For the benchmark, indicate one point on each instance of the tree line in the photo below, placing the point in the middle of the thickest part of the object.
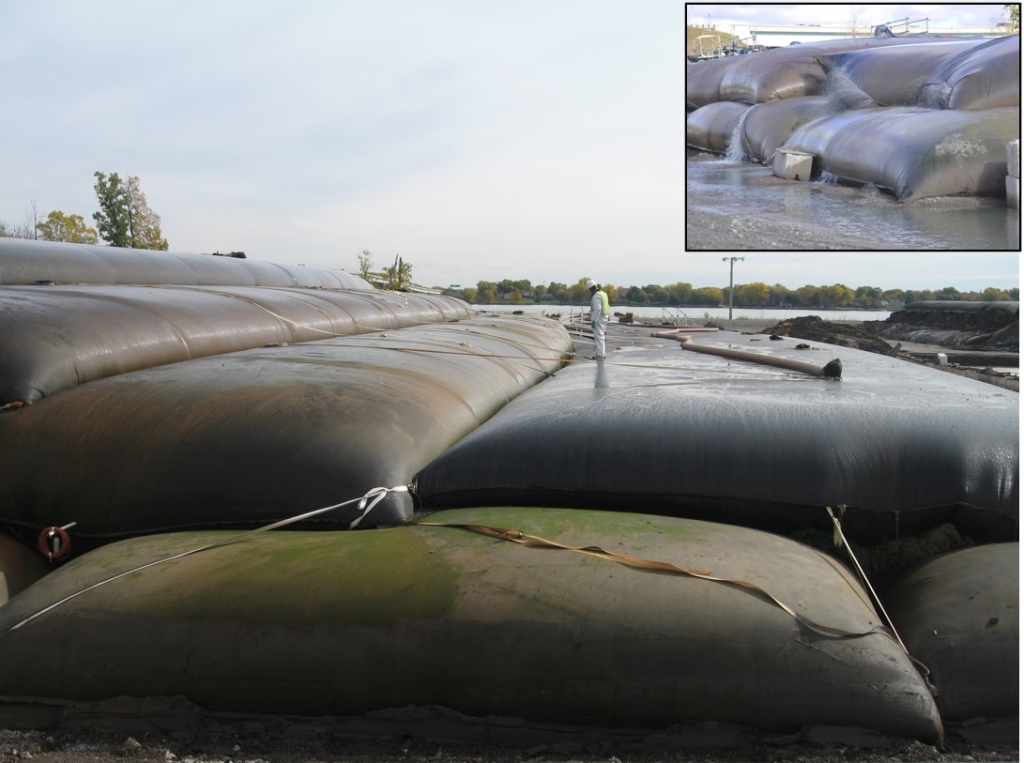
(751, 295)
(124, 219)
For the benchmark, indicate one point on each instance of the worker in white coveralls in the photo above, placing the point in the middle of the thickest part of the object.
(599, 313)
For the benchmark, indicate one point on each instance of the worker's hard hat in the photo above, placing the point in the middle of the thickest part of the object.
(591, 284)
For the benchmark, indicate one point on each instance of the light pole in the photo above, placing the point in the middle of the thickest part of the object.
(732, 262)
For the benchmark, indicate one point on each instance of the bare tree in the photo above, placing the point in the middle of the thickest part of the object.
(366, 264)
(32, 221)
(854, 15)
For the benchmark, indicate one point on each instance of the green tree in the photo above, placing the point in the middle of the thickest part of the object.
(112, 219)
(399, 275)
(1013, 17)
(836, 295)
(808, 296)
(868, 296)
(524, 286)
(636, 296)
(579, 293)
(486, 292)
(656, 294)
(752, 294)
(469, 295)
(67, 228)
(708, 296)
(894, 296)
(124, 218)
(680, 293)
(558, 291)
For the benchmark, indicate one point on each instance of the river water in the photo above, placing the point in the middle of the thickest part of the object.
(661, 314)
(744, 190)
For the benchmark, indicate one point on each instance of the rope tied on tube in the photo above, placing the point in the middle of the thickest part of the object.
(518, 536)
(840, 541)
(366, 504)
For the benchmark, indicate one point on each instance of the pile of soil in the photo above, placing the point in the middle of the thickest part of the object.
(990, 326)
(843, 333)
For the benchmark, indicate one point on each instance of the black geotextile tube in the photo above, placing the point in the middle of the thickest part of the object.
(345, 624)
(914, 152)
(983, 77)
(792, 71)
(895, 75)
(711, 127)
(957, 315)
(959, 615)
(55, 337)
(902, 446)
(30, 262)
(262, 435)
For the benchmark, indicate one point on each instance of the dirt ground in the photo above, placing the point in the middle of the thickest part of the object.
(279, 740)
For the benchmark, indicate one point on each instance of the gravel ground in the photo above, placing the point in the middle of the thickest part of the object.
(715, 231)
(710, 230)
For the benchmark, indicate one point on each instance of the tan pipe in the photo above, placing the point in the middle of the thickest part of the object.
(674, 333)
(831, 370)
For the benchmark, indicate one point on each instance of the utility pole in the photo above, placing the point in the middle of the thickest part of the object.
(732, 262)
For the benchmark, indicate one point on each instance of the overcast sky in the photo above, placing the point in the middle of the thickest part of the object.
(478, 139)
(939, 14)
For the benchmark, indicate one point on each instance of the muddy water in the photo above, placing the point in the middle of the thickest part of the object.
(745, 190)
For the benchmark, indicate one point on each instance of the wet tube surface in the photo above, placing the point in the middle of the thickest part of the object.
(896, 75)
(56, 337)
(31, 262)
(263, 435)
(673, 432)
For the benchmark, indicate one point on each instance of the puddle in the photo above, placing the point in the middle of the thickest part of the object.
(953, 223)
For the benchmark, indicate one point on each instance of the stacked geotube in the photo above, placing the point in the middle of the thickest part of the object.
(918, 116)
(448, 514)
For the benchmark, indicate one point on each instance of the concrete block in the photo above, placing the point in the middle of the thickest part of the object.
(1013, 159)
(1013, 192)
(792, 165)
